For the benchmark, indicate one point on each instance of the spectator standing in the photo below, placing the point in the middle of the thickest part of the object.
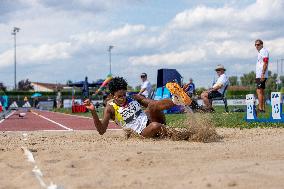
(261, 73)
(146, 87)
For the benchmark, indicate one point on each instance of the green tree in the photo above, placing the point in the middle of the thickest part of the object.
(271, 83)
(2, 87)
(233, 80)
(25, 85)
(248, 79)
(138, 88)
(129, 88)
(68, 82)
(282, 81)
(198, 91)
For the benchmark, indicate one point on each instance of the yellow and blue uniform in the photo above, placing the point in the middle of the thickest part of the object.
(130, 116)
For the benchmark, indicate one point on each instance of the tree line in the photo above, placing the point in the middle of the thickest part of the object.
(23, 85)
(272, 83)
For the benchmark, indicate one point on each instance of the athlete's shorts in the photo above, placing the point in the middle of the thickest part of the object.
(214, 94)
(260, 84)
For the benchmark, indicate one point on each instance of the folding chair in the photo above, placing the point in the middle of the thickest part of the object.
(223, 97)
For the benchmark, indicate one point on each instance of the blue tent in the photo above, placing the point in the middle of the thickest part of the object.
(164, 76)
(168, 75)
(85, 86)
(86, 83)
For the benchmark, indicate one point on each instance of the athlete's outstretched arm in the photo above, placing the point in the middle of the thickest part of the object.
(142, 100)
(100, 125)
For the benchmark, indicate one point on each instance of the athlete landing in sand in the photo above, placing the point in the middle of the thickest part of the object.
(126, 111)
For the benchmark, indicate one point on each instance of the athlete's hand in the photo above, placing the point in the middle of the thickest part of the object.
(89, 105)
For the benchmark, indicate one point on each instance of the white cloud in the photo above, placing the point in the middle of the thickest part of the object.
(172, 58)
(119, 34)
(233, 49)
(94, 6)
(6, 58)
(86, 5)
(217, 35)
(276, 47)
(227, 16)
(37, 55)
(201, 15)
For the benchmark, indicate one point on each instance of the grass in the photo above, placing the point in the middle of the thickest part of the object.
(219, 118)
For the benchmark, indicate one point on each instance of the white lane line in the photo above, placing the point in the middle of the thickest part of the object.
(59, 130)
(6, 117)
(28, 154)
(71, 115)
(59, 124)
(85, 117)
(54, 130)
(114, 129)
(36, 171)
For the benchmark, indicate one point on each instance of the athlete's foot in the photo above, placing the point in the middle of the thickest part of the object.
(179, 96)
(177, 100)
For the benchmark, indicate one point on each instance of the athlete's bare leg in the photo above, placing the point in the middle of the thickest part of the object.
(155, 108)
(154, 129)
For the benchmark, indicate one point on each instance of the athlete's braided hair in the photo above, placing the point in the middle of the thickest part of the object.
(116, 84)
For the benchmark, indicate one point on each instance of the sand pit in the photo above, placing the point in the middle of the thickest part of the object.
(245, 158)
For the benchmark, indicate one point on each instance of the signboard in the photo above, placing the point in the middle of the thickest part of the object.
(250, 102)
(276, 105)
(230, 102)
(79, 109)
(67, 103)
(276, 109)
(45, 105)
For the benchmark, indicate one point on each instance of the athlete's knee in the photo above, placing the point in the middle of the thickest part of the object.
(155, 126)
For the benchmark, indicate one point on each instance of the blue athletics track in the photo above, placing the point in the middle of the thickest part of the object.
(36, 120)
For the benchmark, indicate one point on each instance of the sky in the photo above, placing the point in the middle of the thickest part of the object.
(62, 40)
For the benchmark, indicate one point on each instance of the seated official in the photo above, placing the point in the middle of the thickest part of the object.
(217, 90)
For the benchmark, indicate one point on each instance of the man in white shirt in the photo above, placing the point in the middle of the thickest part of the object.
(261, 73)
(146, 87)
(217, 90)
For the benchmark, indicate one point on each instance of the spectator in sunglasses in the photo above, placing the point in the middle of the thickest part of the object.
(261, 73)
(146, 87)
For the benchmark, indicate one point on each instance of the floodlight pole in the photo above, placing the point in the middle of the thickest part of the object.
(109, 50)
(14, 32)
